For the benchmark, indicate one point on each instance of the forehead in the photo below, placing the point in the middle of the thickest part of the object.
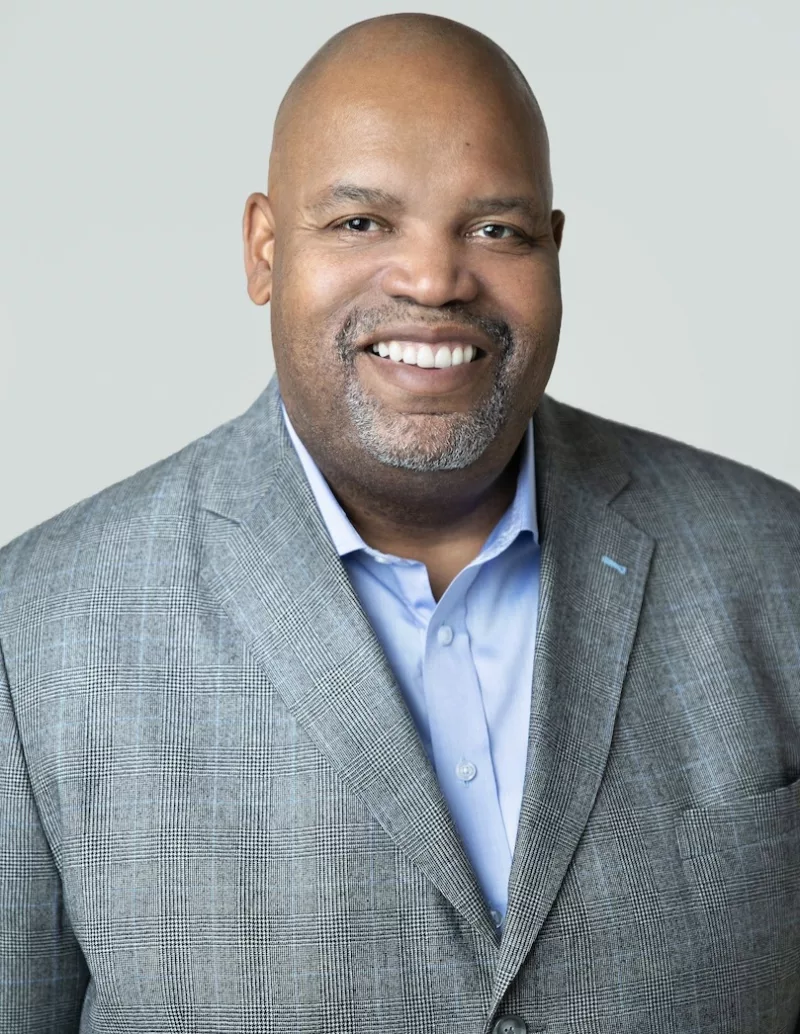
(416, 132)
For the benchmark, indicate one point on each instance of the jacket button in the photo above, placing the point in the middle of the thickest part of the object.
(510, 1025)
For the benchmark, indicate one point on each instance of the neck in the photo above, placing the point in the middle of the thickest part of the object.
(436, 519)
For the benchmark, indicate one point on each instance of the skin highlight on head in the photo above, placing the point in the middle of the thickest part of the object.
(410, 198)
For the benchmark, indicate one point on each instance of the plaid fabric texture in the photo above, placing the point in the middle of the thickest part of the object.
(217, 817)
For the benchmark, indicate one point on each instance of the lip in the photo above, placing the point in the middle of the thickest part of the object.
(431, 383)
(449, 334)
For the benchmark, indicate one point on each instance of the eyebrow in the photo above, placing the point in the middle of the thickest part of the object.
(332, 196)
(527, 205)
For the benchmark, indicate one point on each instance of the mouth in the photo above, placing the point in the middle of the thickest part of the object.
(405, 370)
(419, 364)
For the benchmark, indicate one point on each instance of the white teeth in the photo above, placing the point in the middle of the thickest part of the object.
(418, 354)
(424, 356)
(443, 358)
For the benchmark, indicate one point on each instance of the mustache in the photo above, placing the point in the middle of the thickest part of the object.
(360, 322)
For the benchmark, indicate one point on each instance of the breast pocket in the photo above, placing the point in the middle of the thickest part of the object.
(741, 865)
(736, 825)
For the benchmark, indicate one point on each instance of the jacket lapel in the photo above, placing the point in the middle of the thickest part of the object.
(594, 565)
(270, 563)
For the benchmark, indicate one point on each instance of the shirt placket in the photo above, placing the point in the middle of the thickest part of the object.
(460, 742)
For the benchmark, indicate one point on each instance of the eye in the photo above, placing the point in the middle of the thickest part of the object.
(496, 231)
(357, 224)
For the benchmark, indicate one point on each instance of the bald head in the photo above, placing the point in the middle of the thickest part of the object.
(419, 55)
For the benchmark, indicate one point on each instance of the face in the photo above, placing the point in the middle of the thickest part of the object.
(412, 266)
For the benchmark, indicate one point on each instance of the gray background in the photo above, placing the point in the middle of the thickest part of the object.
(131, 134)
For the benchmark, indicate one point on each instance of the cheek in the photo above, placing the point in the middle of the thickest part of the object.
(312, 295)
(530, 297)
(316, 285)
(531, 302)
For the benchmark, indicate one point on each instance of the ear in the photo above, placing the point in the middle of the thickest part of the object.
(557, 222)
(258, 232)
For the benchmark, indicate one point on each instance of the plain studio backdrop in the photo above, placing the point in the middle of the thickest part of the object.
(131, 134)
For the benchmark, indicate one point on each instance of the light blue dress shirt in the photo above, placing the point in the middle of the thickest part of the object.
(464, 664)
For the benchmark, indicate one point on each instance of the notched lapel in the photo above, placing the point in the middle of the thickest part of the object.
(594, 566)
(271, 565)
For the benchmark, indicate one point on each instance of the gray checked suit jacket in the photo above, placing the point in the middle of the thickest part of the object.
(217, 816)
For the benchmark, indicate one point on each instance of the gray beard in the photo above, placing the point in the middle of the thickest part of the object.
(457, 442)
(454, 440)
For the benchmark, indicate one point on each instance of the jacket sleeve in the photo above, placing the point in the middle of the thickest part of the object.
(43, 975)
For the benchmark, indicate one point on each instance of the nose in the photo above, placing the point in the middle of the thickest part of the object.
(431, 270)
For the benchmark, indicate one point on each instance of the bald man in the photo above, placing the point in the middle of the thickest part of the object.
(411, 699)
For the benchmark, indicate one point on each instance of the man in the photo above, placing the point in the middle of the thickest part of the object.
(411, 699)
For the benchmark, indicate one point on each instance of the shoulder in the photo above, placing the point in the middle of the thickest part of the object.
(679, 492)
(688, 475)
(144, 526)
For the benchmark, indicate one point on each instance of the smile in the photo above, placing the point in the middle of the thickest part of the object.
(414, 353)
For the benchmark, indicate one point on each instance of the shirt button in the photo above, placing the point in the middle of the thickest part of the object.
(466, 771)
(510, 1025)
(445, 635)
(496, 917)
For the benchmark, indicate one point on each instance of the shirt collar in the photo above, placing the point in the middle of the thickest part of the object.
(520, 516)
